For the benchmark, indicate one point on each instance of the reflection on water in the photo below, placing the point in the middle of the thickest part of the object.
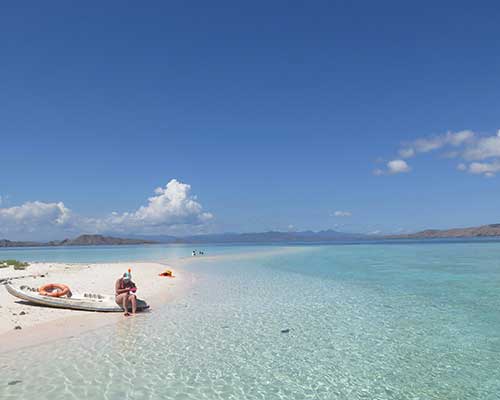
(365, 322)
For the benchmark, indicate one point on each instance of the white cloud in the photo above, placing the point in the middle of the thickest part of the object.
(488, 169)
(342, 214)
(480, 154)
(393, 167)
(172, 207)
(425, 145)
(483, 148)
(35, 216)
(36, 213)
(459, 138)
(473, 147)
(397, 167)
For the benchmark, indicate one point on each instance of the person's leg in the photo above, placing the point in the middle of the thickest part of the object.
(133, 301)
(121, 300)
(125, 301)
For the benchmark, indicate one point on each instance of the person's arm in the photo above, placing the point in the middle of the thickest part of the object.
(118, 290)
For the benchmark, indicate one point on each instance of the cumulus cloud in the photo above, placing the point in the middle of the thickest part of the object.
(171, 207)
(36, 216)
(36, 213)
(342, 213)
(397, 167)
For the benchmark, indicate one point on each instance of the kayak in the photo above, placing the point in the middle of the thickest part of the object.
(78, 301)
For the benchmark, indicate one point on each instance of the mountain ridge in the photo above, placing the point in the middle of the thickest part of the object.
(253, 237)
(325, 236)
(82, 240)
(491, 230)
(273, 237)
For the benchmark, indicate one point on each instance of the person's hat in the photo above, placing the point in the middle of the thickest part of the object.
(127, 276)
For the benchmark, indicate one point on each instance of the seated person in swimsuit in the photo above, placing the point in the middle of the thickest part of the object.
(125, 293)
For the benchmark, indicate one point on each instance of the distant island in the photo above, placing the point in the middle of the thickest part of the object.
(82, 240)
(491, 230)
(263, 237)
(272, 237)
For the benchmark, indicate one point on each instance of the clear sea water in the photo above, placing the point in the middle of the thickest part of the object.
(90, 254)
(416, 321)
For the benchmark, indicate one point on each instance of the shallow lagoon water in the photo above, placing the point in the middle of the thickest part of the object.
(365, 322)
(101, 254)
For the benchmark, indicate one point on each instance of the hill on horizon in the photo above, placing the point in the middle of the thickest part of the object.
(255, 237)
(82, 240)
(491, 230)
(259, 237)
(325, 236)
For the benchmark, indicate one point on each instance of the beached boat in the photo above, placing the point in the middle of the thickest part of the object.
(78, 301)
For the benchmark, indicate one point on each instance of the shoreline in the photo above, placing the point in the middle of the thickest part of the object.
(44, 324)
(74, 325)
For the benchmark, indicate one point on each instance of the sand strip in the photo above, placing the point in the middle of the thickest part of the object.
(43, 324)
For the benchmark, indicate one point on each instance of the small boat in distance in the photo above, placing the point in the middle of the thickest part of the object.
(78, 301)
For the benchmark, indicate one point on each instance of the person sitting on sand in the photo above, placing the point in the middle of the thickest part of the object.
(125, 293)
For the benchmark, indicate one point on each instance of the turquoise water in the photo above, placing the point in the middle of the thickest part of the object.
(366, 322)
(89, 254)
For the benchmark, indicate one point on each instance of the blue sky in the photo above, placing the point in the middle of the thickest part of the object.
(276, 114)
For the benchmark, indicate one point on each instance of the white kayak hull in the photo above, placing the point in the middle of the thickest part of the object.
(78, 301)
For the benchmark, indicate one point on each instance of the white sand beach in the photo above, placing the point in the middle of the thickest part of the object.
(38, 324)
(43, 324)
